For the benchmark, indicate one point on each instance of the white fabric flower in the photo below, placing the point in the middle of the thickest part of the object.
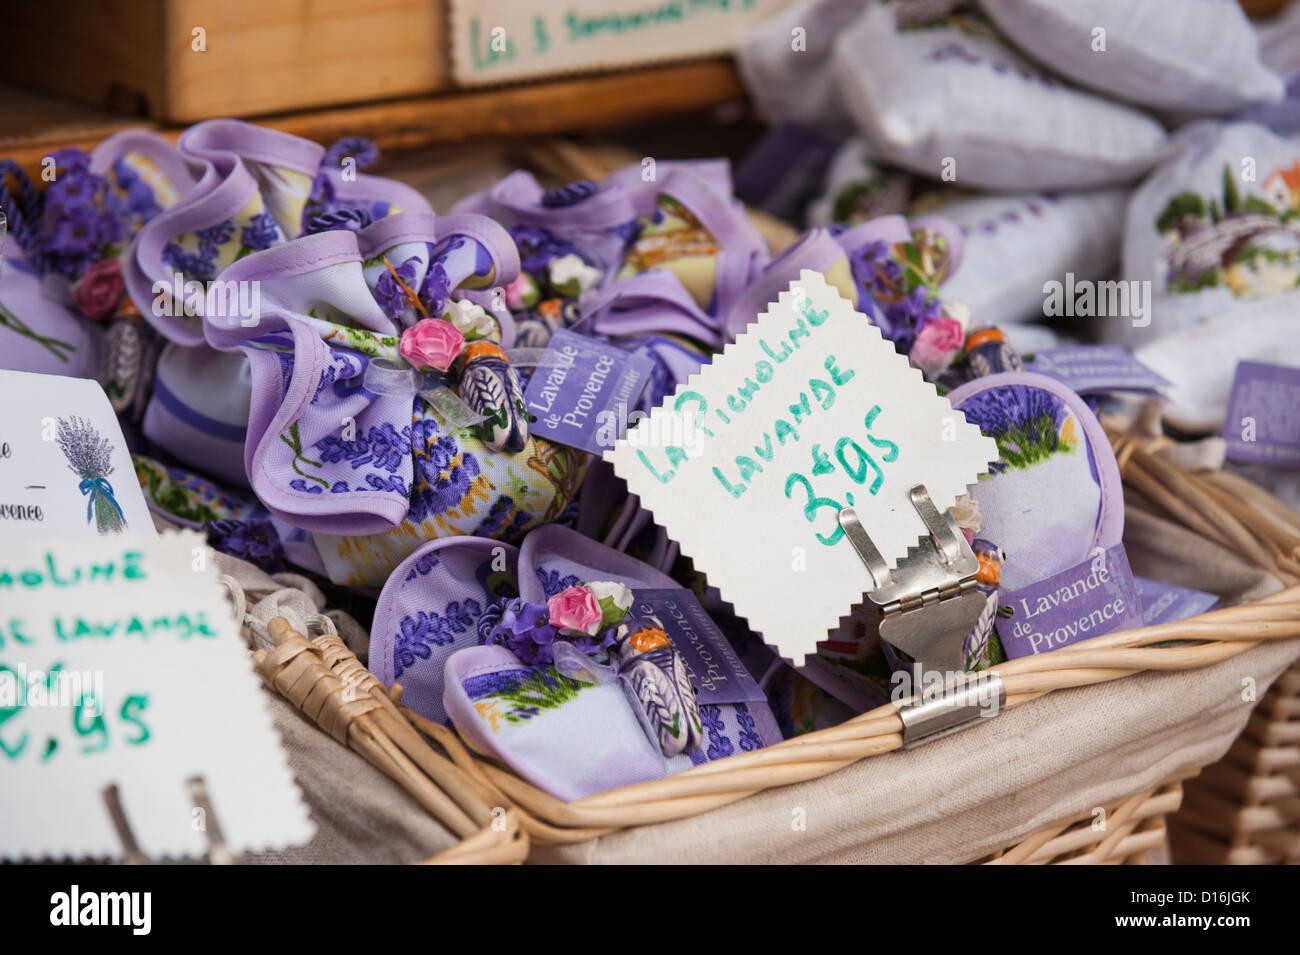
(614, 599)
(470, 320)
(958, 311)
(965, 512)
(571, 268)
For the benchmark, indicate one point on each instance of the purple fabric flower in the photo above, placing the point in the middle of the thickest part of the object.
(524, 628)
(140, 203)
(570, 194)
(70, 159)
(389, 294)
(537, 247)
(348, 220)
(322, 199)
(910, 315)
(362, 150)
(879, 272)
(77, 238)
(260, 233)
(80, 218)
(255, 541)
(597, 647)
(74, 232)
(435, 289)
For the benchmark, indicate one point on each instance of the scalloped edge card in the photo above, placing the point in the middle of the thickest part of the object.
(748, 464)
(121, 662)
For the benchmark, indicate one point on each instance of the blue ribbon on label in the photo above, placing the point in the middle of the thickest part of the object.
(99, 486)
(1095, 597)
(715, 670)
(583, 394)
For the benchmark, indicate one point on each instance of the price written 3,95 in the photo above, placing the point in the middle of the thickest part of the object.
(857, 463)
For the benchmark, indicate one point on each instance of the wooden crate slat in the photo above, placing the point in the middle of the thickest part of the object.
(539, 109)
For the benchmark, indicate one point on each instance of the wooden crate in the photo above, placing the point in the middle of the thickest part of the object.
(1245, 809)
(262, 56)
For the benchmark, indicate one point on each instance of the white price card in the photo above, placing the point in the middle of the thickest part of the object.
(121, 662)
(749, 463)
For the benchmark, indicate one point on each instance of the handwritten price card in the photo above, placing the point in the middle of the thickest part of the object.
(120, 663)
(750, 462)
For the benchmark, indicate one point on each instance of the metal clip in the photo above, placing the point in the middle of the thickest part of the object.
(962, 702)
(929, 600)
(218, 852)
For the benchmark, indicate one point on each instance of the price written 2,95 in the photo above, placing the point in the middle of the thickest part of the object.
(856, 462)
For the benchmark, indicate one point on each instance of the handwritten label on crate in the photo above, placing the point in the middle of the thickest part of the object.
(497, 40)
(749, 463)
(120, 662)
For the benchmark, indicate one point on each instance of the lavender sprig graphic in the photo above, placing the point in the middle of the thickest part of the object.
(89, 456)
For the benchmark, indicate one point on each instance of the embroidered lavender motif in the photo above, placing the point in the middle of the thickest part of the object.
(524, 693)
(89, 457)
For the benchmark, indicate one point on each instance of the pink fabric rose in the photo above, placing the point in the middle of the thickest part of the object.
(100, 290)
(432, 343)
(936, 344)
(518, 291)
(575, 608)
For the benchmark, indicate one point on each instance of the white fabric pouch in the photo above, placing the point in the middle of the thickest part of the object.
(1017, 244)
(1198, 57)
(785, 64)
(950, 100)
(1212, 230)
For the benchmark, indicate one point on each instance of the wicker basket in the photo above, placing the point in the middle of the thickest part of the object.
(499, 815)
(1134, 834)
(1245, 809)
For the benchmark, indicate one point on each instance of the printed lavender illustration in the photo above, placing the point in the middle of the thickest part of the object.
(1249, 245)
(1042, 496)
(1028, 425)
(89, 457)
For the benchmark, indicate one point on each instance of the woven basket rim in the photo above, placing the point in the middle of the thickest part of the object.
(511, 814)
